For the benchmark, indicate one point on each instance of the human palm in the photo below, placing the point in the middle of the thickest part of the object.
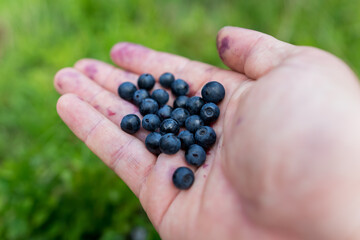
(277, 159)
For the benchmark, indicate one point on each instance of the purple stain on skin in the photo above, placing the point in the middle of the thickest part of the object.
(204, 175)
(110, 113)
(90, 71)
(223, 46)
(239, 121)
(59, 84)
(97, 107)
(205, 165)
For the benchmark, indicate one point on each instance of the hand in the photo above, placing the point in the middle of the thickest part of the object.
(286, 164)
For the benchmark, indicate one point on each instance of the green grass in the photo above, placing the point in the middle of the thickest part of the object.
(51, 185)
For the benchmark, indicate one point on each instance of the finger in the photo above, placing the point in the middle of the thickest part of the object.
(251, 52)
(123, 153)
(69, 80)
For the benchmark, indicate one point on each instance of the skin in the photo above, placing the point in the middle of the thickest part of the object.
(286, 162)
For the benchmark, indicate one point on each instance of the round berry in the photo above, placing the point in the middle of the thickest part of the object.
(193, 123)
(180, 115)
(180, 102)
(161, 96)
(152, 143)
(205, 136)
(148, 106)
(183, 178)
(146, 81)
(130, 123)
(140, 95)
(169, 126)
(151, 122)
(169, 144)
(126, 90)
(209, 112)
(195, 155)
(164, 112)
(213, 92)
(186, 138)
(166, 80)
(179, 87)
(194, 104)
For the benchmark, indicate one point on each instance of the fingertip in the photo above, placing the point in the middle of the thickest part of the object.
(64, 101)
(125, 51)
(62, 75)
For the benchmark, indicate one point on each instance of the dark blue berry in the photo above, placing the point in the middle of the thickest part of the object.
(186, 138)
(179, 87)
(205, 137)
(194, 104)
(180, 102)
(180, 115)
(130, 123)
(126, 90)
(140, 95)
(169, 126)
(152, 143)
(148, 106)
(164, 112)
(195, 155)
(146, 81)
(169, 144)
(209, 112)
(183, 178)
(161, 96)
(151, 122)
(213, 92)
(166, 80)
(193, 123)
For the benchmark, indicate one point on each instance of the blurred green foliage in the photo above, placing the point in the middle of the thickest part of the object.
(51, 185)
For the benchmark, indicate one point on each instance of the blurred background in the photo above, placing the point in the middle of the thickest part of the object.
(51, 185)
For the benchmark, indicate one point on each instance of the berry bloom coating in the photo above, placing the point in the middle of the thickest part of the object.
(148, 106)
(151, 122)
(169, 144)
(164, 112)
(183, 178)
(209, 112)
(213, 92)
(194, 104)
(180, 115)
(130, 123)
(152, 143)
(180, 102)
(146, 81)
(187, 139)
(140, 95)
(205, 137)
(193, 123)
(169, 126)
(126, 90)
(195, 155)
(161, 96)
(179, 87)
(166, 80)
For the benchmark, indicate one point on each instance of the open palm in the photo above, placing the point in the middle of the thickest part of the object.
(268, 175)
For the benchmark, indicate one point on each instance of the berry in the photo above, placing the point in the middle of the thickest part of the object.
(180, 102)
(180, 115)
(164, 112)
(193, 123)
(183, 178)
(186, 138)
(152, 143)
(169, 144)
(140, 95)
(126, 90)
(209, 112)
(148, 106)
(161, 96)
(205, 137)
(130, 123)
(213, 92)
(151, 122)
(146, 81)
(179, 87)
(194, 104)
(166, 80)
(169, 126)
(195, 155)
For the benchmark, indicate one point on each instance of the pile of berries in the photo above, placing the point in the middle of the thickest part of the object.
(164, 122)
